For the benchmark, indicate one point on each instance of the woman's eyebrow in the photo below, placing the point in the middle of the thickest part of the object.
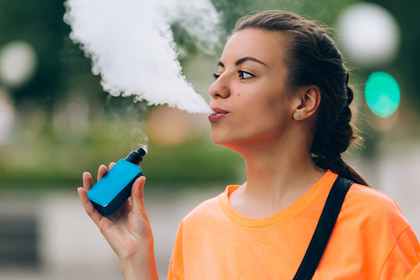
(246, 58)
(242, 60)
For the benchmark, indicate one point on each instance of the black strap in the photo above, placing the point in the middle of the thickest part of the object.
(324, 228)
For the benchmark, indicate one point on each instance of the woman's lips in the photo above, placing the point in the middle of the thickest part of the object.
(218, 115)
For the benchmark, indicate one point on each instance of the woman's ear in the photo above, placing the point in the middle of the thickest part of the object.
(306, 102)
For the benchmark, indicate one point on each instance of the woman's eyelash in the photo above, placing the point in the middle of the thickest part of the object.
(242, 74)
(245, 75)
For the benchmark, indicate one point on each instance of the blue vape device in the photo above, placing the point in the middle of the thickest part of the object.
(112, 190)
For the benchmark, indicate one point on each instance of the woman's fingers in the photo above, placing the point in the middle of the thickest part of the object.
(90, 210)
(137, 200)
(87, 181)
(102, 170)
(103, 223)
(87, 185)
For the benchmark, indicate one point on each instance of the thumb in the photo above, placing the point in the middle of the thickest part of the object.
(137, 197)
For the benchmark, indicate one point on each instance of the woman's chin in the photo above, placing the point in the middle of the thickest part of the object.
(226, 141)
(221, 140)
(217, 141)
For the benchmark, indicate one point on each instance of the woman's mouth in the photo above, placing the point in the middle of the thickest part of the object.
(218, 115)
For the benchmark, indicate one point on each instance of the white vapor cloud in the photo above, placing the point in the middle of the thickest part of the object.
(132, 48)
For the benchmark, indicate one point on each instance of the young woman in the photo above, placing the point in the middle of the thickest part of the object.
(281, 98)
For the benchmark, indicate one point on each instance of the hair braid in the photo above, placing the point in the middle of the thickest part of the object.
(342, 135)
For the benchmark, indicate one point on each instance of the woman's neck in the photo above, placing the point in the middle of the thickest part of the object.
(278, 174)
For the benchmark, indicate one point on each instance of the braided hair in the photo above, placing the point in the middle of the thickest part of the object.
(314, 59)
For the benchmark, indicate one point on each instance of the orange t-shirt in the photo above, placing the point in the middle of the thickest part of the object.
(371, 239)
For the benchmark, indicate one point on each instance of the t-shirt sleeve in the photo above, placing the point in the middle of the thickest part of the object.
(176, 264)
(403, 261)
(414, 274)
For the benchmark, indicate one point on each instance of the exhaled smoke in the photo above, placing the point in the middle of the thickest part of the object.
(132, 48)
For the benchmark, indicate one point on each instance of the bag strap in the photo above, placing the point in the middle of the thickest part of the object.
(324, 229)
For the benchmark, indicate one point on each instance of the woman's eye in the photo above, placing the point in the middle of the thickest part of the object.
(216, 76)
(245, 75)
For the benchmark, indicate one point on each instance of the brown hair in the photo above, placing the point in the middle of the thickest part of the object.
(314, 59)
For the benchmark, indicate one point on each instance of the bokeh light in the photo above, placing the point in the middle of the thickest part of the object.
(18, 62)
(382, 94)
(369, 34)
(168, 126)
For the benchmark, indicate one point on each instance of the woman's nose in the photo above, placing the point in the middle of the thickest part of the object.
(219, 88)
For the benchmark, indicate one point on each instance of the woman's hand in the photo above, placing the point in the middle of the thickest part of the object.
(128, 230)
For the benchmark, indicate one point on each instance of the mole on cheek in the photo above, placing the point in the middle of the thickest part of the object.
(239, 94)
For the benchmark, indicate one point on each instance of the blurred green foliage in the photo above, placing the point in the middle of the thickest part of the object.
(63, 75)
(46, 164)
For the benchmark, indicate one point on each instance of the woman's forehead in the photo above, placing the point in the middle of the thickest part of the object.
(266, 46)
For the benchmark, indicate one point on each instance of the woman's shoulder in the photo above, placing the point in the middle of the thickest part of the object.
(373, 207)
(207, 209)
(371, 198)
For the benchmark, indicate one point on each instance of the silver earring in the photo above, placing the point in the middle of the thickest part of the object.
(297, 116)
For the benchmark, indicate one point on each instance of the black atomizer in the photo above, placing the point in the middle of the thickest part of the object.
(112, 190)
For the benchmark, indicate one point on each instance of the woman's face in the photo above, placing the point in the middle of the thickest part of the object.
(250, 95)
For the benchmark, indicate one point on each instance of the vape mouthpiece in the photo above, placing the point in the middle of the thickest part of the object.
(136, 156)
